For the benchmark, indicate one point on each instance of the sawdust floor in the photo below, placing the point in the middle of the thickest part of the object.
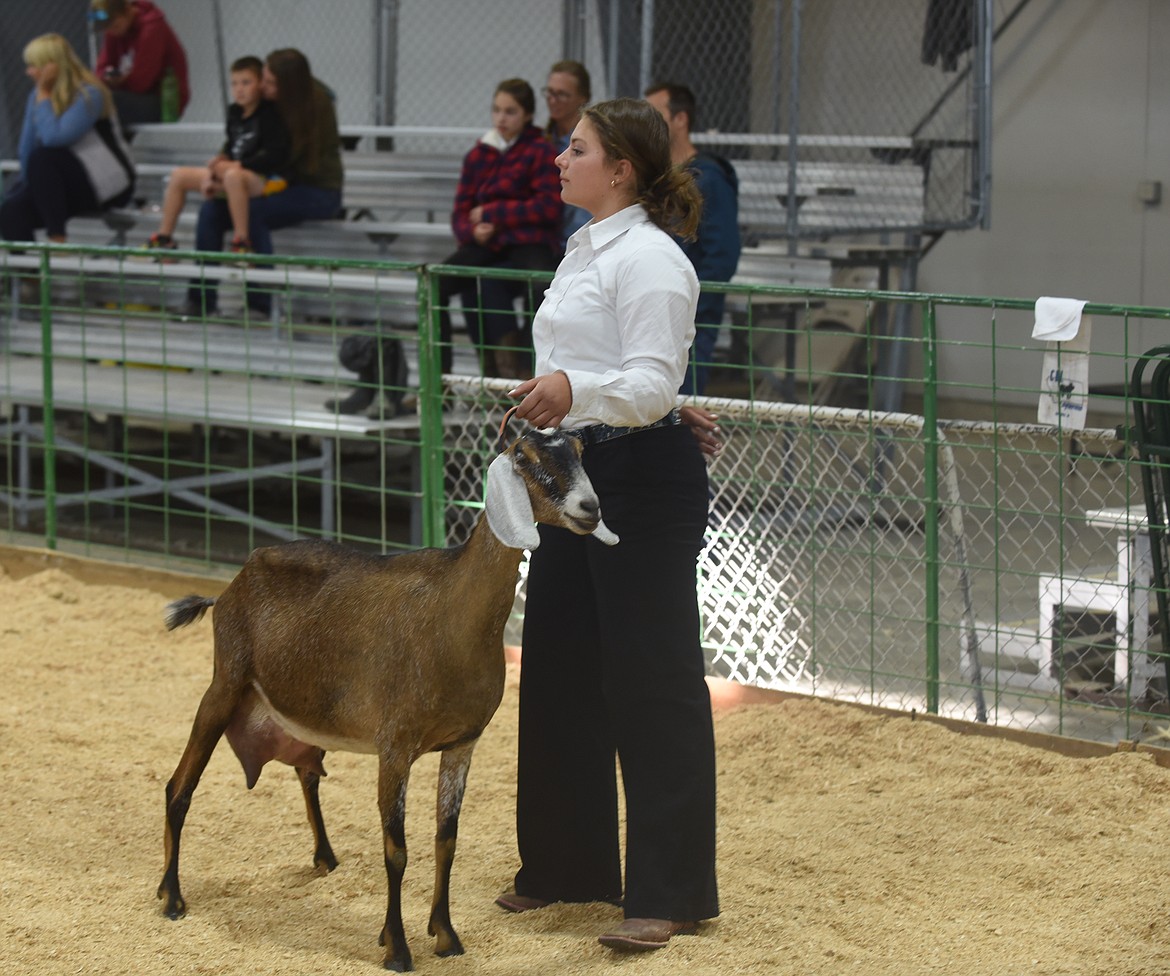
(849, 842)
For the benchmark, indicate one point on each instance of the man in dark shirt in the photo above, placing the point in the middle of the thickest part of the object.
(715, 250)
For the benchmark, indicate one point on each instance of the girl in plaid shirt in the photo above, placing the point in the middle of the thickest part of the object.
(507, 214)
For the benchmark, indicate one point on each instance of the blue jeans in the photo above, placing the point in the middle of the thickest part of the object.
(265, 214)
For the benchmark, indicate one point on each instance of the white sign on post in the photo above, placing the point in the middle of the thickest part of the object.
(1064, 382)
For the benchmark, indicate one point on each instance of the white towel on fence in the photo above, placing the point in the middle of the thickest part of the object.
(1057, 319)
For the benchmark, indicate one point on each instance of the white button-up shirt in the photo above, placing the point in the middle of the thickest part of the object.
(618, 319)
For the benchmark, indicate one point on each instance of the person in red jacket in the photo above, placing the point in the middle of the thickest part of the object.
(138, 48)
(507, 214)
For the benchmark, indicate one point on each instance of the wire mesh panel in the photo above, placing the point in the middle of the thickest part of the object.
(959, 558)
(133, 421)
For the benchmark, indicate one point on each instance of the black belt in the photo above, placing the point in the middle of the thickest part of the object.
(600, 433)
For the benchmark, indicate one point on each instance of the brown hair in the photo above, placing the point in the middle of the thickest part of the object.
(578, 71)
(679, 98)
(249, 62)
(520, 90)
(296, 100)
(633, 130)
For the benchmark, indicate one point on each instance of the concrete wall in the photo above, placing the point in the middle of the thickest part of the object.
(1081, 119)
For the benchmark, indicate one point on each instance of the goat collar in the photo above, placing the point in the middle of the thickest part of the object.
(509, 511)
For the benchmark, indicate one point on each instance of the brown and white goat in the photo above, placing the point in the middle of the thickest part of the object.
(321, 648)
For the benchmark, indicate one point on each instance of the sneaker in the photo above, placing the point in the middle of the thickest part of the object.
(162, 242)
(242, 246)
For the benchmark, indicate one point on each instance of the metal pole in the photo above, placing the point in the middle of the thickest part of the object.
(647, 51)
(611, 67)
(573, 19)
(386, 97)
(777, 63)
(930, 444)
(982, 95)
(793, 126)
(220, 55)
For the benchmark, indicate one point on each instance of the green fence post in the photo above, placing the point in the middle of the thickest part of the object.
(47, 418)
(430, 407)
(931, 500)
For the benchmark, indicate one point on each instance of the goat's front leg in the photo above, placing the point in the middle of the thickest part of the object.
(452, 779)
(392, 779)
(322, 850)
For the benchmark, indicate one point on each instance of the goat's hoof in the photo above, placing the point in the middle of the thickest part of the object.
(175, 909)
(325, 862)
(447, 942)
(399, 965)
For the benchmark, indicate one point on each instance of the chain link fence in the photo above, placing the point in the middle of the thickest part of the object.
(857, 117)
(956, 556)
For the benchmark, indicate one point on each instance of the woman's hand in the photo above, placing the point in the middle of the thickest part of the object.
(476, 215)
(546, 399)
(46, 78)
(483, 233)
(705, 428)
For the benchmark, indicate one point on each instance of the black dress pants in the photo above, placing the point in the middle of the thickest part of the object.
(612, 665)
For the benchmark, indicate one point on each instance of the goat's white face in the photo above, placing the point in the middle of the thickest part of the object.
(561, 493)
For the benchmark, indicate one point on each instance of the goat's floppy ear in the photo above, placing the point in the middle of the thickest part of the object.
(508, 508)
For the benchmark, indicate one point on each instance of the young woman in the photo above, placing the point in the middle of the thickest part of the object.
(508, 214)
(72, 155)
(313, 172)
(612, 662)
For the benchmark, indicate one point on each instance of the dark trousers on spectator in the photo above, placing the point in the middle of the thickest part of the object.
(55, 188)
(265, 214)
(136, 108)
(612, 664)
(488, 303)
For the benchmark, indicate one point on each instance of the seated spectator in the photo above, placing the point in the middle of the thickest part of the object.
(72, 155)
(566, 93)
(313, 173)
(507, 214)
(138, 49)
(249, 164)
(714, 250)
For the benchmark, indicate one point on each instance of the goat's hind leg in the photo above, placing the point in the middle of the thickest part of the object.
(452, 780)
(215, 711)
(323, 856)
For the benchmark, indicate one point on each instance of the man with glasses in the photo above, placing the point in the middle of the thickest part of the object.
(566, 93)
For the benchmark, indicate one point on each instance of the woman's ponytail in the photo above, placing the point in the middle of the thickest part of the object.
(634, 130)
(673, 202)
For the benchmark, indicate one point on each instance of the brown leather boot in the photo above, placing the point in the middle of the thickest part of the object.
(643, 934)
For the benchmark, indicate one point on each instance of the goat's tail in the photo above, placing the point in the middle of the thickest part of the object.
(187, 610)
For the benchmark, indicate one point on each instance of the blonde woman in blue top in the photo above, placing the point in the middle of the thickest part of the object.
(73, 158)
(612, 665)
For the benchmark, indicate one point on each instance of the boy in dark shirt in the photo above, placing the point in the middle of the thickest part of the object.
(256, 150)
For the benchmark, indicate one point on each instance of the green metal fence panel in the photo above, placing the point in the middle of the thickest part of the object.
(952, 555)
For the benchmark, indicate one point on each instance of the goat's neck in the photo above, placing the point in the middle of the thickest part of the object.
(498, 562)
